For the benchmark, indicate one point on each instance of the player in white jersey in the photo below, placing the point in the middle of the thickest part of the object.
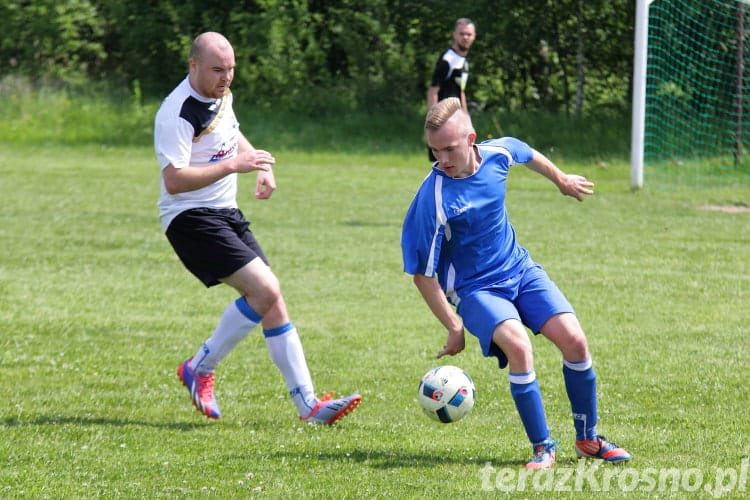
(459, 245)
(201, 150)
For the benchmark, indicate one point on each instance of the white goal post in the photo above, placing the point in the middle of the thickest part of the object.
(638, 122)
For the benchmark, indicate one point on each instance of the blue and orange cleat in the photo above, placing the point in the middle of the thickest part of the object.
(544, 457)
(201, 388)
(599, 447)
(327, 410)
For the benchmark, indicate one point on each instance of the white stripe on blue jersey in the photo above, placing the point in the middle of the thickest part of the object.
(440, 221)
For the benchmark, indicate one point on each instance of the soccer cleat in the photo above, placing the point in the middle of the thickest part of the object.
(599, 447)
(201, 389)
(544, 455)
(327, 410)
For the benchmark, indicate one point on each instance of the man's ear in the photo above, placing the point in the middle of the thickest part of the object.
(472, 137)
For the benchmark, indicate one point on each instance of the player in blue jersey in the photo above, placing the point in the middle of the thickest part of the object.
(459, 245)
(201, 151)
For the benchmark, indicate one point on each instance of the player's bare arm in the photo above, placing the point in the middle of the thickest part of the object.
(432, 96)
(464, 102)
(454, 344)
(265, 183)
(182, 180)
(569, 184)
(433, 295)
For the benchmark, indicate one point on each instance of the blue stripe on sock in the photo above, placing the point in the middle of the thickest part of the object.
(247, 311)
(275, 332)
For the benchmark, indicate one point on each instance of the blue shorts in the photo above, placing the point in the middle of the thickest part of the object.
(531, 298)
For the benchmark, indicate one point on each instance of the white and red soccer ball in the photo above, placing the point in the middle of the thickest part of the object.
(446, 394)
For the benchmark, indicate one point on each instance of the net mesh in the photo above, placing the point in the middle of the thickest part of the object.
(697, 96)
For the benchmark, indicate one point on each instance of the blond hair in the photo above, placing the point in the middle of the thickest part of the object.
(443, 111)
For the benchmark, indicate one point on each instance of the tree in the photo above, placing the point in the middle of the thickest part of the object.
(51, 39)
(318, 55)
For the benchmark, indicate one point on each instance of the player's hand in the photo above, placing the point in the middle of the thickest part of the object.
(576, 186)
(255, 159)
(265, 185)
(455, 344)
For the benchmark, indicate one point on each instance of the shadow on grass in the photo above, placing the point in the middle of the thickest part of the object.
(385, 459)
(52, 420)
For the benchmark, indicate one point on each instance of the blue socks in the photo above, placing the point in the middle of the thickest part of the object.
(528, 398)
(580, 383)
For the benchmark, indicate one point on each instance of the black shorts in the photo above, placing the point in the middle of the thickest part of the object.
(213, 243)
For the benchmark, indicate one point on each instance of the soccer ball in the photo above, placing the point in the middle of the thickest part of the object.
(446, 394)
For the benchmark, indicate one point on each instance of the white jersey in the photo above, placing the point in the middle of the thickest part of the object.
(193, 130)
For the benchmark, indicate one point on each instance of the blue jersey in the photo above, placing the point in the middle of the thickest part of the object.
(458, 229)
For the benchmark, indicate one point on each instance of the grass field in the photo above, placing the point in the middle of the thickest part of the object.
(96, 313)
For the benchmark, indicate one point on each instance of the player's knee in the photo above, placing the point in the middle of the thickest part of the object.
(580, 347)
(515, 343)
(520, 357)
(267, 296)
(575, 347)
(261, 290)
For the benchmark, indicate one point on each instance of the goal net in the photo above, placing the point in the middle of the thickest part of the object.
(695, 125)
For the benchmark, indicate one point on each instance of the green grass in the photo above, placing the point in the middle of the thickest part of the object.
(96, 312)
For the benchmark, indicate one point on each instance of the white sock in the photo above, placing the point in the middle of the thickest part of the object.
(285, 348)
(235, 324)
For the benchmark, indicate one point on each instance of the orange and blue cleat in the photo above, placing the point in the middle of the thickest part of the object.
(600, 448)
(545, 455)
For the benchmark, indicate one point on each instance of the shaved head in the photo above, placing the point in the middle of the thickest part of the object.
(211, 64)
(209, 40)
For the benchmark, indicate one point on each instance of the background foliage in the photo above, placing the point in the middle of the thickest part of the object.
(315, 55)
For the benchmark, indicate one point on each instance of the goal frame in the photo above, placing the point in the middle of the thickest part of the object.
(638, 119)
